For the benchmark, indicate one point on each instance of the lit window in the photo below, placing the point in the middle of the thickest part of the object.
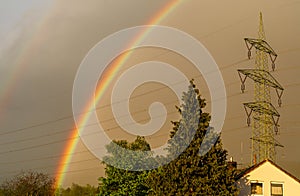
(256, 188)
(276, 189)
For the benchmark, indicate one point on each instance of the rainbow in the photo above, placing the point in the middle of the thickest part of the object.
(107, 78)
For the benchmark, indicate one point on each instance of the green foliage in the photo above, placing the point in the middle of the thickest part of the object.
(198, 165)
(190, 173)
(125, 182)
(76, 190)
(29, 184)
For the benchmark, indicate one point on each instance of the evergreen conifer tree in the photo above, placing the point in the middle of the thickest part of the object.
(194, 172)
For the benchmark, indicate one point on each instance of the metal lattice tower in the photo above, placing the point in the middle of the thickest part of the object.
(264, 115)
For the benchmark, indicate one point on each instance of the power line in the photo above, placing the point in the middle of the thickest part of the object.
(112, 128)
(71, 116)
(54, 165)
(110, 104)
(107, 130)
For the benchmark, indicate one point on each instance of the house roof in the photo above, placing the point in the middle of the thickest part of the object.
(248, 170)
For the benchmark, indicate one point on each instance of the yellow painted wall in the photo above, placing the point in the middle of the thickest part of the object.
(267, 173)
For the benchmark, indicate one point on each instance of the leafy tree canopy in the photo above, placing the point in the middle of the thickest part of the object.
(125, 182)
(29, 183)
(76, 190)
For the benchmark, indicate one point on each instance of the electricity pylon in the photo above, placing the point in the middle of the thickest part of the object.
(264, 115)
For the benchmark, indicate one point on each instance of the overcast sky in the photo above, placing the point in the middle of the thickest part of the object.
(44, 41)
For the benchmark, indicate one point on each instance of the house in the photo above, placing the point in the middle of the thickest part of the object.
(268, 179)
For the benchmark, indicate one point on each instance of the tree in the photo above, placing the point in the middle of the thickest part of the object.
(76, 190)
(193, 173)
(30, 184)
(123, 181)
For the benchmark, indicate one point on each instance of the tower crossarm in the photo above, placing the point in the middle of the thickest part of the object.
(262, 77)
(261, 45)
(262, 107)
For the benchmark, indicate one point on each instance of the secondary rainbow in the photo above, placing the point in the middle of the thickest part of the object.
(107, 78)
(27, 49)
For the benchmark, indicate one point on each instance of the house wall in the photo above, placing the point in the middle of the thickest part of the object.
(267, 173)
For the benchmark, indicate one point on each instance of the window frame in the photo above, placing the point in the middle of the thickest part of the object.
(276, 182)
(256, 182)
